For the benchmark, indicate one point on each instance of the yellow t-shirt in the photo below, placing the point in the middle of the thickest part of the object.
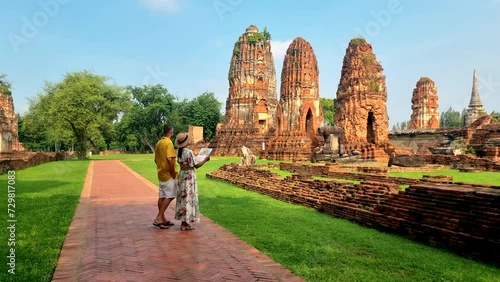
(164, 149)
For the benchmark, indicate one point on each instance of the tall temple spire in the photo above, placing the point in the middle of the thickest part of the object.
(475, 109)
(475, 100)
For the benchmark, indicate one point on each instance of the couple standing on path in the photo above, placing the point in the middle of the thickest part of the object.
(183, 186)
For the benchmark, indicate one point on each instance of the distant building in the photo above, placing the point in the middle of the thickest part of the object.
(475, 109)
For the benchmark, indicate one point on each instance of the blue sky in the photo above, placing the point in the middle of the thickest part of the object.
(186, 45)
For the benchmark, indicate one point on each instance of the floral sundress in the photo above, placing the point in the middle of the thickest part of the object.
(187, 208)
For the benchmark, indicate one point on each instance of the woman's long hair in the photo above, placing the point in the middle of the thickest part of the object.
(179, 152)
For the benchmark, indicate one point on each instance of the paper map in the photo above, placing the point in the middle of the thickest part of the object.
(204, 152)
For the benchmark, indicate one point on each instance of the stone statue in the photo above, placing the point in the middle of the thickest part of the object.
(405, 160)
(248, 157)
(334, 144)
(334, 138)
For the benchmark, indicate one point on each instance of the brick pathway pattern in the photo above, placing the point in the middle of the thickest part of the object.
(111, 238)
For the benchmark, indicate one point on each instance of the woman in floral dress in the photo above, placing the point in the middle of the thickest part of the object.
(187, 208)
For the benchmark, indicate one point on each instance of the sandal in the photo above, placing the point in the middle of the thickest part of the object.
(161, 225)
(168, 223)
(187, 227)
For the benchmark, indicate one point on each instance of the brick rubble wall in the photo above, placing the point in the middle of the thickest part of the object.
(463, 160)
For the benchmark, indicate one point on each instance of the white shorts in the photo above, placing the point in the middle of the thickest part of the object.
(167, 189)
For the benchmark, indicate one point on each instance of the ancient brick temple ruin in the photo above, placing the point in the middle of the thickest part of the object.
(299, 112)
(480, 136)
(424, 105)
(252, 101)
(360, 106)
(475, 109)
(9, 141)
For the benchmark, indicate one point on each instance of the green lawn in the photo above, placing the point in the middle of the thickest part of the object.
(280, 172)
(45, 201)
(319, 247)
(489, 178)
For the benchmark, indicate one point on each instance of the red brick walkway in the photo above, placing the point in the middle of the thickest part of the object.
(111, 238)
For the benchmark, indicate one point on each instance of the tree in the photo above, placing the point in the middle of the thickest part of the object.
(266, 34)
(405, 124)
(496, 117)
(153, 106)
(396, 127)
(84, 104)
(33, 130)
(33, 138)
(5, 86)
(328, 111)
(451, 118)
(203, 110)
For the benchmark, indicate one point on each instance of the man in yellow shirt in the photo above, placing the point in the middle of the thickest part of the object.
(165, 166)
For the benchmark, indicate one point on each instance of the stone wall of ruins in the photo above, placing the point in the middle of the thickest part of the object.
(252, 101)
(459, 217)
(196, 134)
(361, 96)
(299, 112)
(420, 141)
(9, 140)
(482, 136)
(424, 104)
(486, 141)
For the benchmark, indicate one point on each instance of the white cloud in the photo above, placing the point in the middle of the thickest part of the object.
(279, 50)
(164, 6)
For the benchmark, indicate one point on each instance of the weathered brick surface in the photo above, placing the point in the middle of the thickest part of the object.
(299, 113)
(372, 170)
(482, 135)
(486, 141)
(9, 139)
(360, 104)
(464, 218)
(230, 140)
(462, 160)
(252, 100)
(333, 171)
(424, 104)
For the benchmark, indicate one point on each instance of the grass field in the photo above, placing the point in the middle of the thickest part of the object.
(45, 201)
(318, 247)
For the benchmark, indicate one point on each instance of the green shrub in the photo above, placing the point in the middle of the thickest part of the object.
(368, 58)
(5, 85)
(373, 86)
(355, 42)
(425, 79)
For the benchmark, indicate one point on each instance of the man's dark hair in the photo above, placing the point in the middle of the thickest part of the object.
(167, 128)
